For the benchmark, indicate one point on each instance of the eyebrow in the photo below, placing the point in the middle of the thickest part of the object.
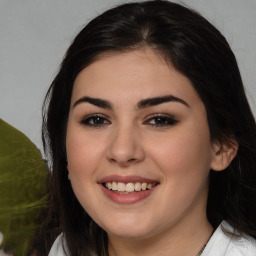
(159, 100)
(149, 102)
(94, 101)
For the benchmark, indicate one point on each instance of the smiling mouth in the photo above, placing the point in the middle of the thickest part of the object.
(130, 187)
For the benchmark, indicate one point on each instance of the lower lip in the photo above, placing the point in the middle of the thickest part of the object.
(127, 198)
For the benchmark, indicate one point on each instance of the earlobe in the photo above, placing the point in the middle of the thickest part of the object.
(223, 154)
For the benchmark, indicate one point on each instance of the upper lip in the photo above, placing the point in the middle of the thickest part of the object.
(126, 179)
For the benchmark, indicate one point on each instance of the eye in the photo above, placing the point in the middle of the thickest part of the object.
(161, 120)
(95, 120)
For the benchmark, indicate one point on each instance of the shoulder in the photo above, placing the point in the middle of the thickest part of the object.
(59, 247)
(222, 244)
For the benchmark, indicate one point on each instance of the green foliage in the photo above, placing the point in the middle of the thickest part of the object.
(23, 188)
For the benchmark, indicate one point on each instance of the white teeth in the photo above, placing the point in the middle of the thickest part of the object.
(149, 186)
(129, 187)
(121, 187)
(137, 186)
(144, 186)
(109, 185)
(114, 186)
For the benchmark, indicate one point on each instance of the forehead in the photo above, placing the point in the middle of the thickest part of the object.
(139, 74)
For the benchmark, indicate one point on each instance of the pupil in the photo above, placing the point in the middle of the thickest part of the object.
(97, 120)
(159, 120)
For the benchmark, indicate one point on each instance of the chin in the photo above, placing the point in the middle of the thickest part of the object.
(135, 229)
(130, 234)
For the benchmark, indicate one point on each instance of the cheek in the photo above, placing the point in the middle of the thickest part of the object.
(185, 163)
(82, 165)
(79, 165)
(83, 151)
(186, 155)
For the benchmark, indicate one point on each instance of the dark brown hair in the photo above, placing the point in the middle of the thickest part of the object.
(201, 53)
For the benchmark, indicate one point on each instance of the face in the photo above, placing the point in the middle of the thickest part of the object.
(138, 146)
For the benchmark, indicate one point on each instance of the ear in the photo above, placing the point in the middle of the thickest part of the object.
(222, 154)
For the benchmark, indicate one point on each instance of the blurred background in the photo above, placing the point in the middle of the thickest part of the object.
(34, 35)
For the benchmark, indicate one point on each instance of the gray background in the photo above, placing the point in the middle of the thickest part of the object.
(34, 35)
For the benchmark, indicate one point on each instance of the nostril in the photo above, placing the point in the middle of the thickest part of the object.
(131, 160)
(123, 162)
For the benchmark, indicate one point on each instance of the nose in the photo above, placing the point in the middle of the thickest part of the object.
(125, 147)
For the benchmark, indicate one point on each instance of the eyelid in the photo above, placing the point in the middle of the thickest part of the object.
(160, 114)
(170, 118)
(85, 120)
(95, 115)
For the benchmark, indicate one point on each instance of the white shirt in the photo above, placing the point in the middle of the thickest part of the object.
(219, 244)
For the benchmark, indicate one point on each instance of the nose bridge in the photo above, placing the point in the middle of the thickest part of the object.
(125, 145)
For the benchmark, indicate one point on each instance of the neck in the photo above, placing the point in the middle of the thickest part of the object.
(181, 240)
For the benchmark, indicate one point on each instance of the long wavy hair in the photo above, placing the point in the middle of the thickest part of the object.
(197, 50)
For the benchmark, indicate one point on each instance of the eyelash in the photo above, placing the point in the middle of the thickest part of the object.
(160, 120)
(101, 121)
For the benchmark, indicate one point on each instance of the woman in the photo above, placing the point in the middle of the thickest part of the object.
(151, 138)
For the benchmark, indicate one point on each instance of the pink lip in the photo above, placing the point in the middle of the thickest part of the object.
(126, 198)
(126, 179)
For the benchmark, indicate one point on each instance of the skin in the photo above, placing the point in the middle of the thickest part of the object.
(129, 140)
